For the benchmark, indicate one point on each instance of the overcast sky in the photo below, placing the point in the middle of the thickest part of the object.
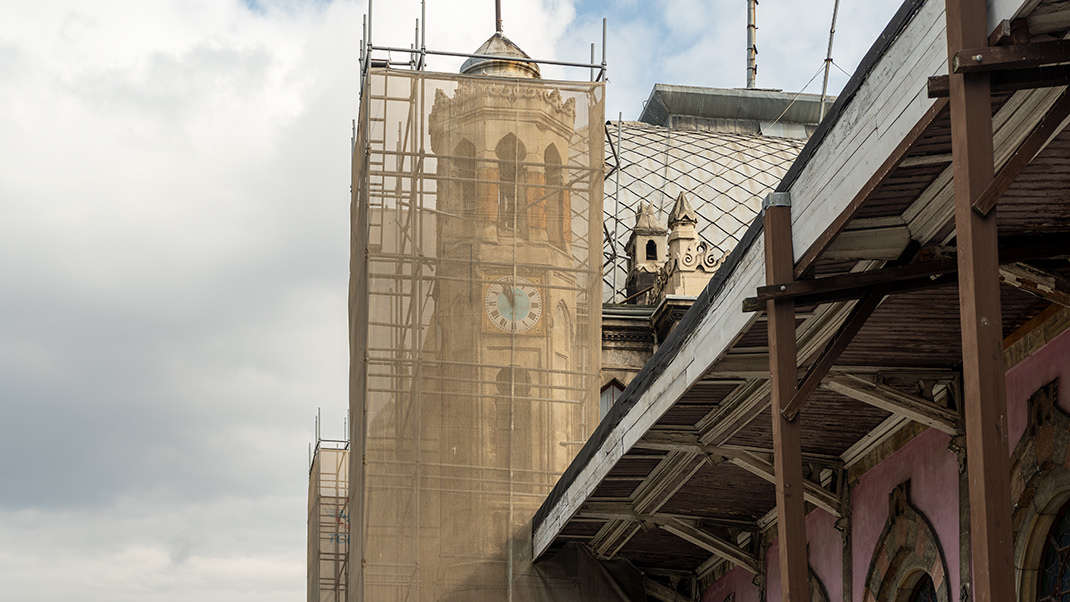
(174, 256)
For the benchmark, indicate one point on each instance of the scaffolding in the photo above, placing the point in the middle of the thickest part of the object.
(475, 303)
(328, 522)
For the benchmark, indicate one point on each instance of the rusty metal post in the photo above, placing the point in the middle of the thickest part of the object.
(787, 445)
(979, 312)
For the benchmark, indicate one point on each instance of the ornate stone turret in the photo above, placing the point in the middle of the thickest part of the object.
(691, 261)
(682, 221)
(646, 250)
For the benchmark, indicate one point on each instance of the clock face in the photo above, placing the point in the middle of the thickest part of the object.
(513, 304)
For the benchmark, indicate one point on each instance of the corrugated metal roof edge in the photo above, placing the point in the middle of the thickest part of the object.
(668, 351)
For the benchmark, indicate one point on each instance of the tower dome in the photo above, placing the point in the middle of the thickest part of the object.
(494, 60)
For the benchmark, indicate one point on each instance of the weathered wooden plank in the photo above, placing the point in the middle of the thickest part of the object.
(1037, 282)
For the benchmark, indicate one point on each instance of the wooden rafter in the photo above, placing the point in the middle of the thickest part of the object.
(836, 346)
(879, 177)
(1037, 282)
(1047, 127)
(895, 401)
(711, 543)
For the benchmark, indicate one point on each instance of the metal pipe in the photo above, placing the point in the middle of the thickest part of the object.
(828, 58)
(592, 61)
(498, 16)
(423, 32)
(752, 48)
(602, 73)
(483, 56)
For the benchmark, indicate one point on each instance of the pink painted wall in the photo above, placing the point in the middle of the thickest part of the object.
(934, 490)
(826, 559)
(738, 582)
(933, 472)
(826, 552)
(1050, 362)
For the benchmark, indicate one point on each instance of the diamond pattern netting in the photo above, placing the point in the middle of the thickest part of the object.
(724, 175)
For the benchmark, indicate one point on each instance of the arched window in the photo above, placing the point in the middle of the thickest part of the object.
(651, 250)
(924, 590)
(510, 152)
(555, 197)
(465, 172)
(1053, 578)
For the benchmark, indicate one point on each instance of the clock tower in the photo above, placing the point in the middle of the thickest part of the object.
(477, 316)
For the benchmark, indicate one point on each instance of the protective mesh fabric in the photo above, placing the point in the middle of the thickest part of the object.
(328, 525)
(475, 299)
(725, 176)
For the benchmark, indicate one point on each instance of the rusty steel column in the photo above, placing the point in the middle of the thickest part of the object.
(979, 312)
(787, 445)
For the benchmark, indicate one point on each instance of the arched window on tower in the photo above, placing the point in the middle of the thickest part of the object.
(464, 157)
(556, 211)
(651, 250)
(511, 211)
(1053, 576)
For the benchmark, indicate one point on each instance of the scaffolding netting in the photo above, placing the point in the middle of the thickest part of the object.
(475, 306)
(328, 524)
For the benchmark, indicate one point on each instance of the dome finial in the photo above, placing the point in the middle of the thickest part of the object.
(498, 16)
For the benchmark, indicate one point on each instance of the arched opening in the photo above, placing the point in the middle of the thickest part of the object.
(1053, 574)
(651, 250)
(923, 590)
(510, 152)
(556, 211)
(464, 161)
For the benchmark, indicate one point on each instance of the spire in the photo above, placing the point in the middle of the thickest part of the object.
(498, 16)
(645, 221)
(682, 213)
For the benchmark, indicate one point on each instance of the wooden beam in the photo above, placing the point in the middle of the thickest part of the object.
(846, 287)
(843, 337)
(991, 541)
(895, 401)
(1010, 31)
(1004, 82)
(787, 442)
(763, 469)
(1037, 282)
(711, 543)
(1015, 56)
(1037, 139)
(921, 275)
(898, 154)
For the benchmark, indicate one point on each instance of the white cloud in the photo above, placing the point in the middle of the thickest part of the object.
(174, 249)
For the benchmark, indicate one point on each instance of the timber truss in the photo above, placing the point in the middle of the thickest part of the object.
(922, 230)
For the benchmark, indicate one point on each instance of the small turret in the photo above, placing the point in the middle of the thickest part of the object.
(682, 233)
(646, 250)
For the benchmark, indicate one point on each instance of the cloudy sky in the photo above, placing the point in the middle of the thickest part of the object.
(173, 256)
